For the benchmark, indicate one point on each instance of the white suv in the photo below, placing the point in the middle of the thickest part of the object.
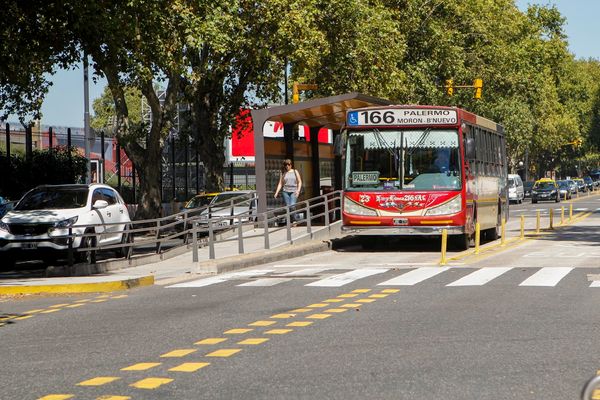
(38, 225)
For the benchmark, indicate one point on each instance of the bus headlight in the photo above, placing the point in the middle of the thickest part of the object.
(354, 208)
(451, 207)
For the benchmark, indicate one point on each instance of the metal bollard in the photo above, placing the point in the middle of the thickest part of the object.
(537, 222)
(477, 237)
(551, 226)
(211, 240)
(195, 241)
(522, 227)
(308, 219)
(571, 212)
(70, 251)
(288, 224)
(266, 225)
(240, 238)
(443, 261)
(503, 238)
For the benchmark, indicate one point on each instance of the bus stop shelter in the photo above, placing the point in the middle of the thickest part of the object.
(320, 168)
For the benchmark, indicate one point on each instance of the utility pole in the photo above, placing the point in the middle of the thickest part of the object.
(86, 117)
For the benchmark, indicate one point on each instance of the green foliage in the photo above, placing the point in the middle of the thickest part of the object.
(105, 115)
(50, 167)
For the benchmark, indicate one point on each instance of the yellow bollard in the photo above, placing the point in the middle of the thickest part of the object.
(537, 222)
(566, 195)
(562, 215)
(477, 237)
(570, 212)
(522, 227)
(443, 261)
(551, 219)
(503, 239)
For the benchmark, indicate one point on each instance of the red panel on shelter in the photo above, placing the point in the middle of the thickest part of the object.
(242, 135)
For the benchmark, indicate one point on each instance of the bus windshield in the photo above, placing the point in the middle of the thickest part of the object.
(392, 159)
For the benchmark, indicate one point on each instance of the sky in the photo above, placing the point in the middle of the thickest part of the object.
(64, 103)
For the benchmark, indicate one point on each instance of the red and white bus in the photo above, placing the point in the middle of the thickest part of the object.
(416, 170)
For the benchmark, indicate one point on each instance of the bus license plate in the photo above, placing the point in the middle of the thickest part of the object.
(29, 246)
(400, 221)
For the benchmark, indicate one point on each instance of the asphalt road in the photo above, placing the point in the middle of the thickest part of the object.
(517, 322)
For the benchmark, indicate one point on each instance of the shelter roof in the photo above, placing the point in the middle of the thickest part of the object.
(329, 112)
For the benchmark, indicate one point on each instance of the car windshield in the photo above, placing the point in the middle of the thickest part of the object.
(223, 199)
(199, 201)
(53, 199)
(391, 159)
(511, 183)
(563, 184)
(544, 185)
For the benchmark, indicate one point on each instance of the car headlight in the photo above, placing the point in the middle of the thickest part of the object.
(451, 207)
(354, 208)
(66, 223)
(534, 192)
(4, 227)
(553, 192)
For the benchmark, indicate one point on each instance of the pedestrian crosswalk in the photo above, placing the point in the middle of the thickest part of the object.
(446, 276)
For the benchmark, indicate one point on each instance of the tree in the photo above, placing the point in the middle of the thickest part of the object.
(235, 57)
(33, 43)
(105, 115)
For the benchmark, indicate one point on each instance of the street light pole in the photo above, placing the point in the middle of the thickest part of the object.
(86, 117)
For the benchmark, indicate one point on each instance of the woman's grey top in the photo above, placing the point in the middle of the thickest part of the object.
(290, 183)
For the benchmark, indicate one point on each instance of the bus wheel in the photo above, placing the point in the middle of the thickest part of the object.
(461, 242)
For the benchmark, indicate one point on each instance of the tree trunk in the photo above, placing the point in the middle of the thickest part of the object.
(210, 144)
(147, 166)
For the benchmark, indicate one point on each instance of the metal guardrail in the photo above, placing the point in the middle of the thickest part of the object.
(205, 223)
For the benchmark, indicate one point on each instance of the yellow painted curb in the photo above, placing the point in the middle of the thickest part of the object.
(79, 287)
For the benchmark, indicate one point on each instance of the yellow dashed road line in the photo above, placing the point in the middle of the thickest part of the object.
(223, 353)
(99, 381)
(151, 383)
(189, 367)
(211, 341)
(179, 353)
(140, 367)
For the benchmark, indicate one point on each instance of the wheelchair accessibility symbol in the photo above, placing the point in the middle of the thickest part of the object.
(353, 118)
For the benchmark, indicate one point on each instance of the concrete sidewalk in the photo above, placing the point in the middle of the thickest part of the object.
(177, 264)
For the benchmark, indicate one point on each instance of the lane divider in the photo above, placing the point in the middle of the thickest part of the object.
(10, 318)
(296, 318)
(513, 242)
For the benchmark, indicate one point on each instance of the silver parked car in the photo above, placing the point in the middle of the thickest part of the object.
(239, 205)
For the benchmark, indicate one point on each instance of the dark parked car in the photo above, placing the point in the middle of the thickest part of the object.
(588, 182)
(6, 207)
(527, 188)
(564, 189)
(545, 189)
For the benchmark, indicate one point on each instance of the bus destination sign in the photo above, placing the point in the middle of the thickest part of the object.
(365, 178)
(402, 116)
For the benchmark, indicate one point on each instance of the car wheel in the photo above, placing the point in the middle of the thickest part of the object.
(461, 242)
(85, 254)
(534, 201)
(126, 238)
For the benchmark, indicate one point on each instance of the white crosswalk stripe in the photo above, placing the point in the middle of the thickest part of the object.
(415, 276)
(549, 276)
(542, 277)
(220, 278)
(283, 277)
(345, 278)
(480, 277)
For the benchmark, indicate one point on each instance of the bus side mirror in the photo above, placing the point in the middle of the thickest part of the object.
(470, 148)
(338, 145)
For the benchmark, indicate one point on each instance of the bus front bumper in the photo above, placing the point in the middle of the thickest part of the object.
(402, 230)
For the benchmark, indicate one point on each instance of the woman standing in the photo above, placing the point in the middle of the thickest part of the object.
(290, 182)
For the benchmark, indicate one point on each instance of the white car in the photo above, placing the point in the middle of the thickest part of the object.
(38, 225)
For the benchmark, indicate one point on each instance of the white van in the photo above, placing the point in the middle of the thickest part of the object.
(516, 192)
